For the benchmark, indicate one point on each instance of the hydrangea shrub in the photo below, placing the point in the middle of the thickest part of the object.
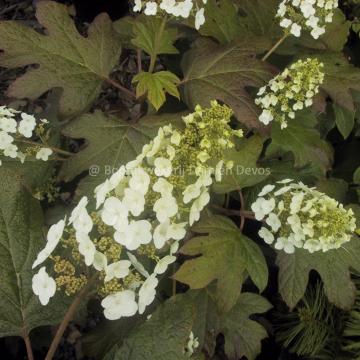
(154, 167)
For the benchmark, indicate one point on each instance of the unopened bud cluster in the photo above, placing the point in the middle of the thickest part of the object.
(290, 91)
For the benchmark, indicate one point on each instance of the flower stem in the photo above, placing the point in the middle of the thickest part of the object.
(242, 217)
(29, 351)
(66, 320)
(126, 91)
(279, 42)
(55, 149)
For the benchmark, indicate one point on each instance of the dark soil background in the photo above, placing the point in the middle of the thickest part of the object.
(86, 10)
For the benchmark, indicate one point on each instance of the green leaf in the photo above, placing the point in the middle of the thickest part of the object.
(224, 73)
(340, 79)
(242, 335)
(222, 21)
(66, 59)
(345, 120)
(303, 142)
(155, 85)
(162, 337)
(21, 238)
(259, 18)
(124, 27)
(245, 172)
(227, 256)
(110, 143)
(333, 267)
(152, 36)
(335, 188)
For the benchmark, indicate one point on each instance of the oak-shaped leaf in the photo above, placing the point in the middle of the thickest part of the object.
(333, 267)
(243, 335)
(110, 143)
(156, 85)
(223, 254)
(153, 36)
(21, 238)
(65, 58)
(225, 73)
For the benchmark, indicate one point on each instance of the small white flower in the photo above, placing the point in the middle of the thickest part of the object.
(135, 234)
(163, 187)
(266, 189)
(274, 222)
(163, 264)
(134, 201)
(285, 244)
(177, 231)
(115, 213)
(5, 140)
(175, 138)
(140, 180)
(101, 192)
(137, 265)
(147, 292)
(27, 125)
(43, 286)
(218, 170)
(120, 304)
(43, 154)
(87, 249)
(165, 208)
(83, 222)
(161, 234)
(53, 237)
(100, 261)
(262, 207)
(285, 23)
(295, 29)
(8, 125)
(266, 117)
(78, 209)
(199, 18)
(163, 167)
(11, 151)
(138, 5)
(266, 235)
(150, 8)
(118, 269)
(191, 192)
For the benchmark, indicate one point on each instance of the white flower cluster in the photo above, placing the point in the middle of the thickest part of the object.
(290, 91)
(301, 217)
(148, 202)
(12, 130)
(311, 15)
(183, 8)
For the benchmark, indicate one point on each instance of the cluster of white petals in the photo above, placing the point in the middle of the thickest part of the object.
(177, 8)
(11, 130)
(290, 91)
(296, 216)
(311, 15)
(149, 203)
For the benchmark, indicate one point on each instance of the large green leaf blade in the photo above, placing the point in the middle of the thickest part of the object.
(224, 73)
(333, 267)
(226, 257)
(21, 238)
(66, 59)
